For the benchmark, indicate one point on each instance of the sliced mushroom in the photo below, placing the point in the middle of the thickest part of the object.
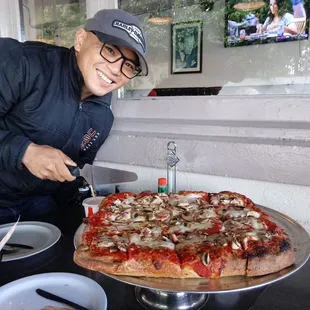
(183, 203)
(122, 246)
(174, 238)
(146, 232)
(236, 244)
(156, 201)
(205, 259)
(139, 218)
(187, 216)
(151, 216)
(253, 213)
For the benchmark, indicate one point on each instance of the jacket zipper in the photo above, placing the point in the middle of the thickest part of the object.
(74, 122)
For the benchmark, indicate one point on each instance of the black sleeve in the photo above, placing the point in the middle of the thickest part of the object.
(13, 71)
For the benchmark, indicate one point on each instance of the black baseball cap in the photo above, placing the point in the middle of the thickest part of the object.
(117, 27)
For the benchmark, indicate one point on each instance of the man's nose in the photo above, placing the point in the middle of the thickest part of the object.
(115, 67)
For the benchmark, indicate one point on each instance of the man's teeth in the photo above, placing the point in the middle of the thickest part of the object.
(105, 78)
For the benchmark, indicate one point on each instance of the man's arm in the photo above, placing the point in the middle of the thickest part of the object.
(12, 85)
(18, 151)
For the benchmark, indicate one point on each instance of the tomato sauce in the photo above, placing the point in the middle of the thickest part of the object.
(118, 255)
(98, 218)
(119, 196)
(145, 253)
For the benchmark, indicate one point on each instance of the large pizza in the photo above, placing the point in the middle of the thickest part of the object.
(183, 235)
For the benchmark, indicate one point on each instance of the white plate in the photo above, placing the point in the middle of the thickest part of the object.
(39, 235)
(21, 294)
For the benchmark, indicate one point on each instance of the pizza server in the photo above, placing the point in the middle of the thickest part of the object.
(96, 175)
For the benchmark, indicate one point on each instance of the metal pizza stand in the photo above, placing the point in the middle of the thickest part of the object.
(192, 294)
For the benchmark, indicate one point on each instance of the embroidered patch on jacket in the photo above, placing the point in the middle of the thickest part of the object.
(89, 138)
(132, 30)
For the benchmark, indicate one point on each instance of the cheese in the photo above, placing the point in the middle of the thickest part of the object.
(117, 202)
(227, 200)
(124, 216)
(105, 242)
(187, 227)
(128, 200)
(207, 213)
(235, 213)
(215, 200)
(189, 239)
(256, 224)
(183, 200)
(150, 242)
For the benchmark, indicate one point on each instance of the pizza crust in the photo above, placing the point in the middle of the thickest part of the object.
(269, 263)
(131, 267)
(147, 268)
(234, 266)
(84, 259)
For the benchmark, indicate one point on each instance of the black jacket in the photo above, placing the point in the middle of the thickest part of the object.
(40, 90)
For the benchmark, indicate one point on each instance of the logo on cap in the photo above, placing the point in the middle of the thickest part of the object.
(132, 30)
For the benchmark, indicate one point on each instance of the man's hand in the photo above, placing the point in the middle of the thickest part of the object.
(48, 163)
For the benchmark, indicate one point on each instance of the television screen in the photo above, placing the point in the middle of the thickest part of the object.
(262, 22)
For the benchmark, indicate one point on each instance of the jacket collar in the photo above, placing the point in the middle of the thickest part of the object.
(77, 81)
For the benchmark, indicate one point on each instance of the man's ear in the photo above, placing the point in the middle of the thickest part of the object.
(80, 37)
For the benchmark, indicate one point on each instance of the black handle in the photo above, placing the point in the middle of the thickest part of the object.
(53, 297)
(74, 170)
(18, 245)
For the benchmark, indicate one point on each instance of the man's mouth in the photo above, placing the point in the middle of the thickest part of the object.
(104, 77)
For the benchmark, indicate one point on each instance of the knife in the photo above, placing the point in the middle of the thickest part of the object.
(19, 245)
(53, 297)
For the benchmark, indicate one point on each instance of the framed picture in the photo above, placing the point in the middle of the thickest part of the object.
(257, 22)
(186, 47)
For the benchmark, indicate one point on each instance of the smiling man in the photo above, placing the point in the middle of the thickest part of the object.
(55, 107)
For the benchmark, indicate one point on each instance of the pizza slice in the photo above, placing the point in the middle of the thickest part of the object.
(141, 253)
(210, 256)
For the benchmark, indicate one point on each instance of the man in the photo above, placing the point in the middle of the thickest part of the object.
(55, 107)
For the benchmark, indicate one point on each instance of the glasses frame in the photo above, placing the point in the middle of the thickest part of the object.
(124, 59)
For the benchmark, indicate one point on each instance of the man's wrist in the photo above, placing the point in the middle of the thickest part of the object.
(27, 154)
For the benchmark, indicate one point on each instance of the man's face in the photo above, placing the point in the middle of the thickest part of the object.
(100, 76)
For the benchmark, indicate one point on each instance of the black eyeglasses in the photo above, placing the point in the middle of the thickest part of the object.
(112, 54)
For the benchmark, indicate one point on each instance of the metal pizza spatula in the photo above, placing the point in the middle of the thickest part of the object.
(96, 175)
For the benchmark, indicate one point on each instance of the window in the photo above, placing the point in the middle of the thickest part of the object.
(52, 21)
(258, 69)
